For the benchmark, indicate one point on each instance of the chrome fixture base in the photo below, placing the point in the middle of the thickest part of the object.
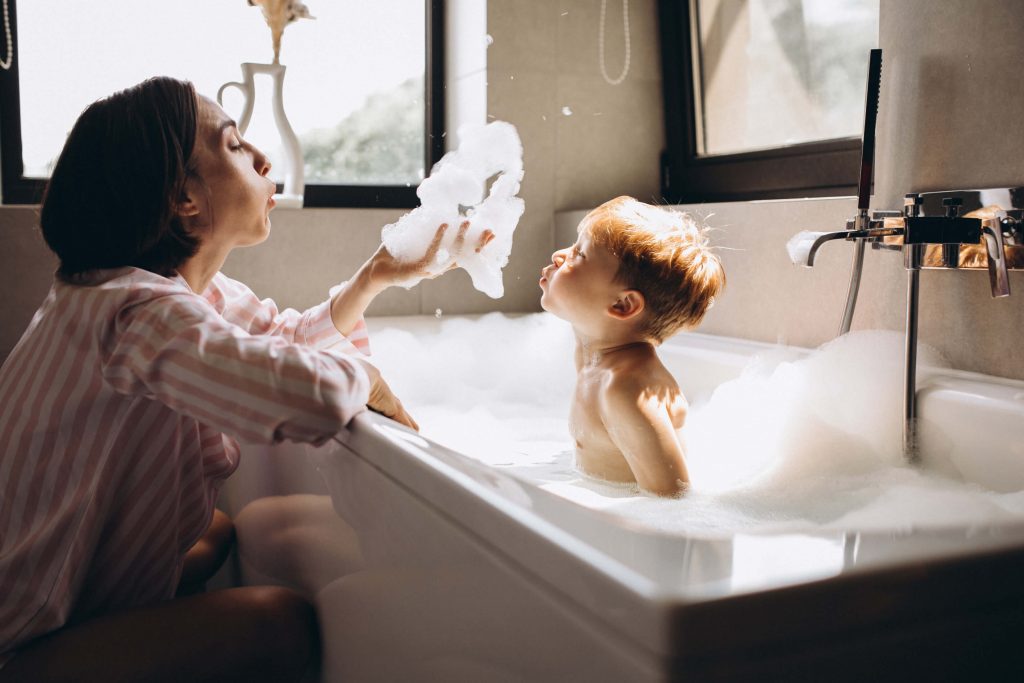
(949, 230)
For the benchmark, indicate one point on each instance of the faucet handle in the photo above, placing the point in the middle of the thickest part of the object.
(992, 231)
(1013, 227)
(952, 206)
(912, 202)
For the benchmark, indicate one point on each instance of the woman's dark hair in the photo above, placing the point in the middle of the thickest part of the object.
(111, 197)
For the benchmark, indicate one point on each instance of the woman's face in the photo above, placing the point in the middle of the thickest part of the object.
(229, 202)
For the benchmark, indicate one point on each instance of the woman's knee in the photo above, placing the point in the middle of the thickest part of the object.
(208, 554)
(221, 533)
(285, 622)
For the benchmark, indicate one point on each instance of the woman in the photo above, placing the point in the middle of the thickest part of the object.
(120, 406)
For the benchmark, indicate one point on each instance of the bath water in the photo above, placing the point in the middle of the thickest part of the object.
(795, 443)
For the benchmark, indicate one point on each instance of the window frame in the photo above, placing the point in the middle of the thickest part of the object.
(19, 190)
(816, 169)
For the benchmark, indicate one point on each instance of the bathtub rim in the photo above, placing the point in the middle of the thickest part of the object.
(653, 608)
(659, 615)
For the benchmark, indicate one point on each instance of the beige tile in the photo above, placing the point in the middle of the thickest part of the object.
(528, 102)
(453, 294)
(767, 298)
(949, 115)
(531, 251)
(611, 143)
(523, 35)
(26, 272)
(308, 252)
(566, 223)
(396, 301)
(578, 24)
(971, 329)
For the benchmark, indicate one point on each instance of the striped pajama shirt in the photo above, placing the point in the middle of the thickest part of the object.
(121, 409)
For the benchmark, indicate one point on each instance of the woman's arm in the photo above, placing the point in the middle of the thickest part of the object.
(313, 327)
(382, 270)
(179, 351)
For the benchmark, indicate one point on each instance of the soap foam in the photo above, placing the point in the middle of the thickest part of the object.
(455, 192)
(799, 246)
(810, 443)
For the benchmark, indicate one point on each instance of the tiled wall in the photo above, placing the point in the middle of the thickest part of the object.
(767, 298)
(542, 57)
(950, 116)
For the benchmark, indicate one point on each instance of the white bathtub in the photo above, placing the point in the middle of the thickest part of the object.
(428, 565)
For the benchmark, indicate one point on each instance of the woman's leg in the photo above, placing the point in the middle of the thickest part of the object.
(260, 633)
(204, 558)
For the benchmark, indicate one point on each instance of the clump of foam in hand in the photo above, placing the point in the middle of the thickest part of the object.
(455, 192)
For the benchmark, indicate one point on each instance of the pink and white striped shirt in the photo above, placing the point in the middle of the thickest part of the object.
(119, 413)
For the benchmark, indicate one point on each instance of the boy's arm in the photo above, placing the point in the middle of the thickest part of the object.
(639, 424)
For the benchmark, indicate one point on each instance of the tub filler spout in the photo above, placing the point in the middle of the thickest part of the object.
(934, 233)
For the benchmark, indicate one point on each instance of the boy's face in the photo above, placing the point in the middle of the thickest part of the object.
(579, 285)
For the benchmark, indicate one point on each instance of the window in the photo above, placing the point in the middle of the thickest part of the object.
(363, 88)
(764, 98)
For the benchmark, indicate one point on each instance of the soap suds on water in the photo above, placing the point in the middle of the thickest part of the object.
(796, 443)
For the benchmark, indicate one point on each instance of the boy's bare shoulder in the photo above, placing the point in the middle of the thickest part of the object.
(643, 384)
(643, 374)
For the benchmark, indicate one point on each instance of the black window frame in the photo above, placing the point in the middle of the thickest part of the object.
(18, 189)
(816, 169)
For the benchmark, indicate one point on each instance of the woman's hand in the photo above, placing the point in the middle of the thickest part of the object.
(382, 270)
(386, 271)
(382, 400)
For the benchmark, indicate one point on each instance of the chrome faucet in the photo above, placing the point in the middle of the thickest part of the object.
(933, 233)
(934, 230)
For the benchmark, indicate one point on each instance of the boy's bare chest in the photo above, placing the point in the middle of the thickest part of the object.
(585, 424)
(596, 454)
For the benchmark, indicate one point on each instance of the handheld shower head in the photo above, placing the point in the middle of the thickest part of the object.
(867, 147)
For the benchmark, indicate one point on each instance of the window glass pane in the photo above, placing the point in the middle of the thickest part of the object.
(781, 72)
(353, 90)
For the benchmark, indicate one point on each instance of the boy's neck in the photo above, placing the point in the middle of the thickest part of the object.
(593, 350)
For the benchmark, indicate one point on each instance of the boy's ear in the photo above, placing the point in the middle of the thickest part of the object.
(630, 303)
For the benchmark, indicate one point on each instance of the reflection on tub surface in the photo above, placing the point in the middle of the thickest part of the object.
(801, 552)
(794, 442)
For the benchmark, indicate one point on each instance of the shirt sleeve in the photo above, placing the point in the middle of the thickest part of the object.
(257, 388)
(314, 327)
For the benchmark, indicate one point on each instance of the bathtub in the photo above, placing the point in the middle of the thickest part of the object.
(426, 564)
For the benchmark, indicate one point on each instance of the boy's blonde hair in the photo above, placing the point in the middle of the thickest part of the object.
(664, 255)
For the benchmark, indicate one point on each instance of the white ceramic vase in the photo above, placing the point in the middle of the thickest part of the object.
(294, 175)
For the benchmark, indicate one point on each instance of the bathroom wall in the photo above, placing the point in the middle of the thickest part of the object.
(543, 56)
(586, 141)
(26, 269)
(539, 59)
(767, 298)
(950, 116)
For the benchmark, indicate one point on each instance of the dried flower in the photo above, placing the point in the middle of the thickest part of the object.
(278, 14)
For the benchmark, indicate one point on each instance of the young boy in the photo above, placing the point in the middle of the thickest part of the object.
(636, 275)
